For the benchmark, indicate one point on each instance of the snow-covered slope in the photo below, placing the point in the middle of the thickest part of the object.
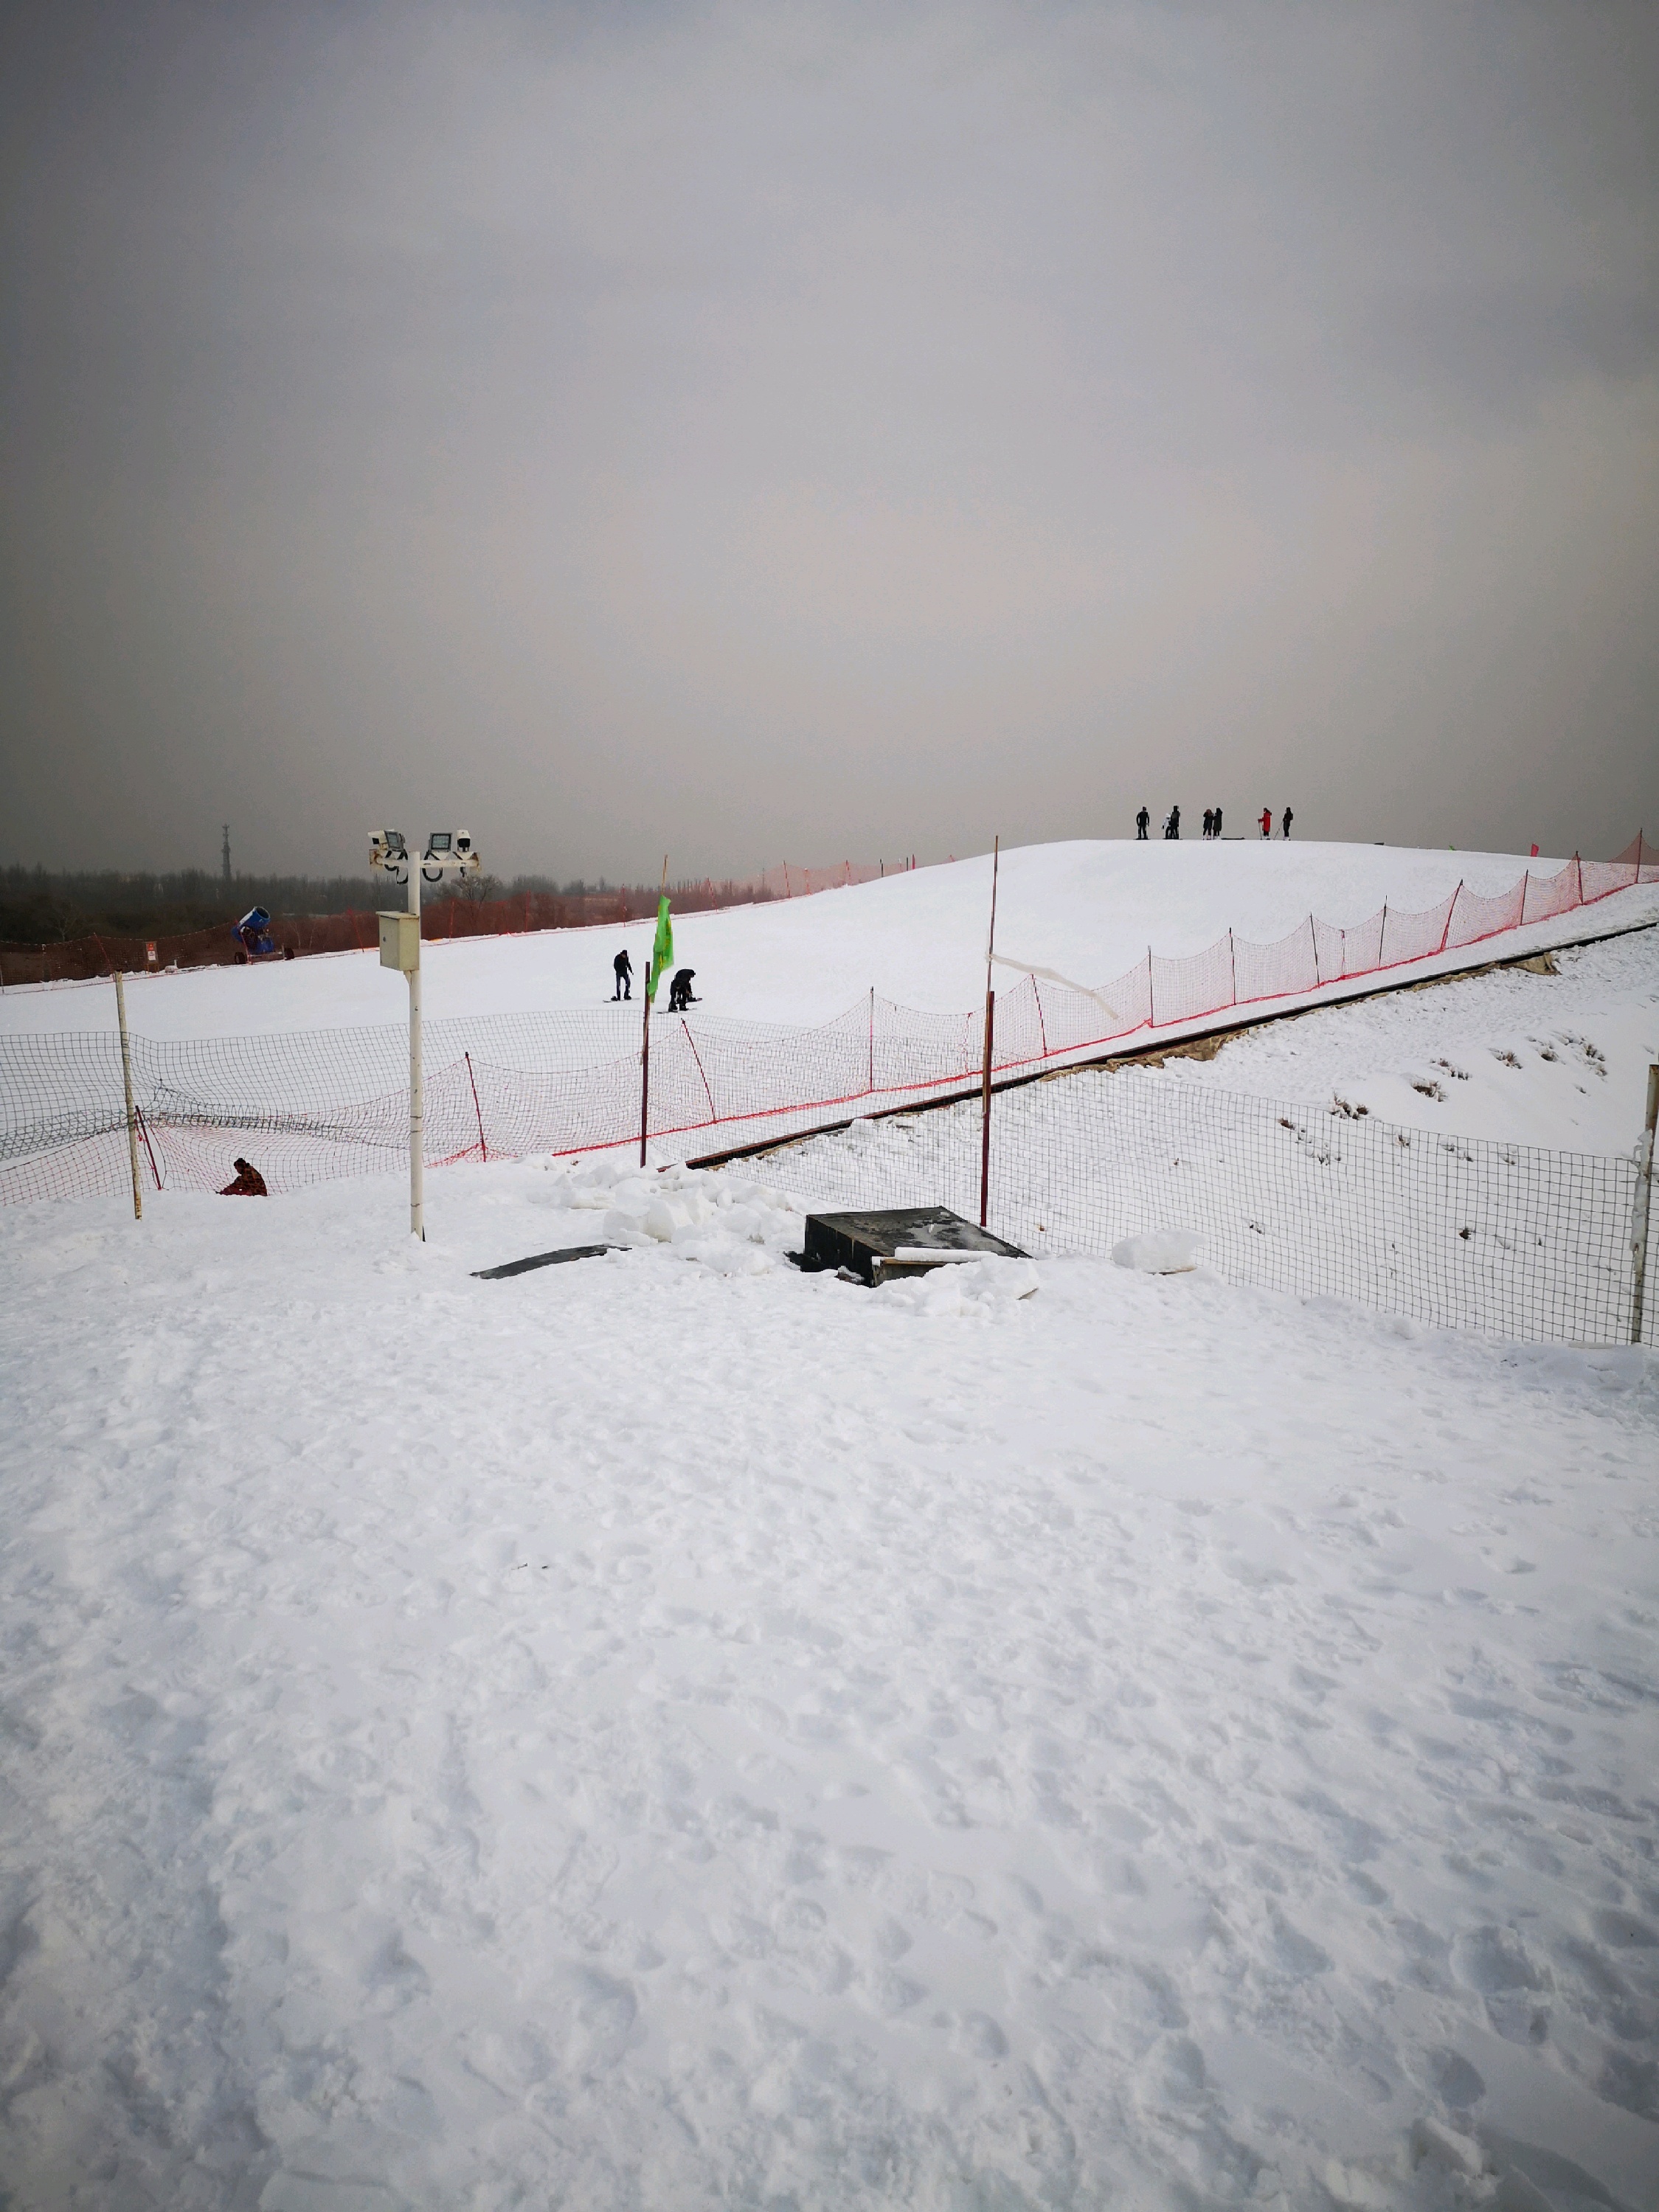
(1558, 1060)
(667, 1731)
(1088, 910)
(652, 1732)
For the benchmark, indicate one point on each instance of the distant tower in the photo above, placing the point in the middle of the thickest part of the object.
(224, 853)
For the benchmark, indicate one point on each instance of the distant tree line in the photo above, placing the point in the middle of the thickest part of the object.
(44, 905)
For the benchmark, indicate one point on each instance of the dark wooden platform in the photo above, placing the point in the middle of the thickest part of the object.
(867, 1244)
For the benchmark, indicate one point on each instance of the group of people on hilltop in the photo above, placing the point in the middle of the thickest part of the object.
(1212, 823)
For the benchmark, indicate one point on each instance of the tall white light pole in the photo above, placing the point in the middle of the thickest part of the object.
(400, 947)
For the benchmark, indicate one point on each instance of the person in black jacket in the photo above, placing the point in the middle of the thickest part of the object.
(1141, 821)
(625, 967)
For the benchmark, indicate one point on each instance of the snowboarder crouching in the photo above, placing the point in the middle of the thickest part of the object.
(680, 990)
(249, 1182)
(625, 967)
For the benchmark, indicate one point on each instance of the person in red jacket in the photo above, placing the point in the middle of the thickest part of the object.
(249, 1182)
(1267, 822)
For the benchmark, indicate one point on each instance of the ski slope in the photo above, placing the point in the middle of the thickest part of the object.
(669, 1732)
(1088, 910)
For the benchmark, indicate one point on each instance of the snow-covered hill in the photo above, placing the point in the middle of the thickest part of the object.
(670, 1731)
(1558, 1060)
(1088, 910)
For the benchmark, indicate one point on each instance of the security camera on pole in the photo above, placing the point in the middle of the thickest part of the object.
(400, 947)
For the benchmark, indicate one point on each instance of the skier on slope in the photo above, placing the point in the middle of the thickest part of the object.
(1141, 821)
(1172, 823)
(1289, 818)
(625, 967)
(1209, 823)
(1267, 822)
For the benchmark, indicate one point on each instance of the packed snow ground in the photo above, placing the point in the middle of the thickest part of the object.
(667, 1730)
(1087, 910)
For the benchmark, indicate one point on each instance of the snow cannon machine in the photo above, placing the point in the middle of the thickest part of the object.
(890, 1245)
(254, 935)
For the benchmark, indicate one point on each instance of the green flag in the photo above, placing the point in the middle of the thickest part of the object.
(662, 952)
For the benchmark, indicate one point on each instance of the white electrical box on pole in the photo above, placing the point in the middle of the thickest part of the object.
(400, 948)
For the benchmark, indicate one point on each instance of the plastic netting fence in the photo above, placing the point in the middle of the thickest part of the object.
(322, 1103)
(1506, 1240)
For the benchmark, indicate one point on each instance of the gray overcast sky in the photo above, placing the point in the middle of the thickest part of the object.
(823, 431)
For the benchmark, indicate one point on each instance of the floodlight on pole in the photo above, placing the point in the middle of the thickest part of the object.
(446, 850)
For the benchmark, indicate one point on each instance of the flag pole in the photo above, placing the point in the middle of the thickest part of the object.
(645, 1050)
(990, 1016)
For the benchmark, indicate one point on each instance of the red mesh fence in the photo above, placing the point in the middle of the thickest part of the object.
(1071, 1020)
(1415, 936)
(1183, 990)
(788, 881)
(1475, 918)
(1542, 897)
(1274, 971)
(1597, 877)
(1362, 945)
(309, 1106)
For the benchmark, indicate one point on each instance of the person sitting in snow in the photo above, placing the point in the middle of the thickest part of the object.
(249, 1182)
(680, 990)
(625, 967)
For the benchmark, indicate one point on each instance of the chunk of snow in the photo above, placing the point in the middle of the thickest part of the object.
(1158, 1252)
(990, 1286)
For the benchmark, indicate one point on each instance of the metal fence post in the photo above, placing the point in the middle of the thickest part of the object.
(985, 1113)
(126, 1085)
(1638, 1226)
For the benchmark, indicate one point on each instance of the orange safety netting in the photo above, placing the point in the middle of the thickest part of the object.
(307, 1106)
